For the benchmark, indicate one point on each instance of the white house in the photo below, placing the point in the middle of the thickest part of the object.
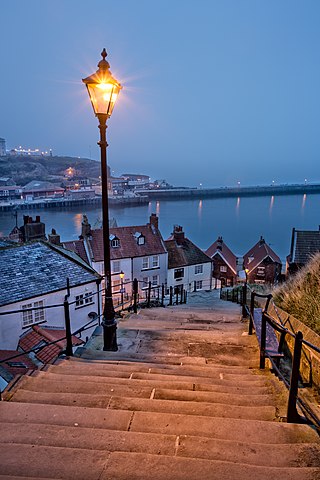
(138, 251)
(38, 276)
(189, 268)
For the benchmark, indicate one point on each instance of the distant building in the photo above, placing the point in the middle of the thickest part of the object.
(138, 251)
(136, 181)
(39, 275)
(304, 244)
(22, 152)
(189, 268)
(38, 189)
(30, 230)
(8, 193)
(224, 264)
(7, 181)
(3, 151)
(262, 263)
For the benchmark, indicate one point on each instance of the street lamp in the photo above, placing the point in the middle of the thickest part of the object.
(103, 91)
(122, 291)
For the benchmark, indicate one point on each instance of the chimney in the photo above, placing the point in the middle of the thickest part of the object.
(38, 218)
(178, 234)
(219, 243)
(25, 219)
(261, 241)
(85, 227)
(54, 238)
(154, 220)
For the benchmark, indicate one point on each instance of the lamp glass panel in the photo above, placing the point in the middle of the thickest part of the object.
(103, 97)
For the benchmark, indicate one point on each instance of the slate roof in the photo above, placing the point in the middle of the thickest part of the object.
(40, 186)
(36, 269)
(184, 253)
(305, 244)
(225, 253)
(258, 253)
(128, 248)
(38, 336)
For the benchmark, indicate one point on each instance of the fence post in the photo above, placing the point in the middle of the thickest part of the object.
(181, 296)
(69, 351)
(251, 313)
(292, 414)
(244, 300)
(149, 295)
(135, 293)
(171, 293)
(233, 296)
(195, 286)
(185, 296)
(162, 295)
(263, 341)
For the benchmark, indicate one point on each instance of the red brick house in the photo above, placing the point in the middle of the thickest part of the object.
(224, 264)
(262, 263)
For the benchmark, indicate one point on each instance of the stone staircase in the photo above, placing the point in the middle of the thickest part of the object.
(152, 411)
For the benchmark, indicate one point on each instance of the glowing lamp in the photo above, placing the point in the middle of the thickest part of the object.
(121, 275)
(103, 88)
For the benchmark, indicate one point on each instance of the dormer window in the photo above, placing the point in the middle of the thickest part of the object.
(115, 242)
(141, 240)
(250, 259)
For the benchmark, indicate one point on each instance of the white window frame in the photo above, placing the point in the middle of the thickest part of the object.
(155, 281)
(175, 276)
(155, 261)
(33, 316)
(198, 284)
(115, 242)
(261, 270)
(223, 268)
(116, 266)
(141, 240)
(145, 263)
(198, 269)
(84, 299)
(145, 283)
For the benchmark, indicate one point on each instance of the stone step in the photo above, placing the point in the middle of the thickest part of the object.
(247, 431)
(177, 376)
(103, 401)
(267, 413)
(165, 381)
(51, 462)
(288, 455)
(95, 366)
(135, 466)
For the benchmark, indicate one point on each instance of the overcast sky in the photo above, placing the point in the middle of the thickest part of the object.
(215, 91)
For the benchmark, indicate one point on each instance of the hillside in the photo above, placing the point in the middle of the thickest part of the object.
(24, 169)
(300, 295)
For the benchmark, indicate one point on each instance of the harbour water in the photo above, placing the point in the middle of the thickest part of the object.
(240, 221)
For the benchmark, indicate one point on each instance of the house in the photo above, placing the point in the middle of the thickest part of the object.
(13, 363)
(138, 251)
(262, 264)
(304, 244)
(48, 341)
(36, 280)
(224, 264)
(38, 189)
(32, 229)
(189, 268)
(10, 192)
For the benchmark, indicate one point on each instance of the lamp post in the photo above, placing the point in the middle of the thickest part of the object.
(122, 292)
(103, 90)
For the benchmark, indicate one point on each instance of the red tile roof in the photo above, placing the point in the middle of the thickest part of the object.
(257, 254)
(128, 244)
(9, 365)
(77, 246)
(220, 248)
(41, 336)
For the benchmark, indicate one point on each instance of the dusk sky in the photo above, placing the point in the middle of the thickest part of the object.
(214, 92)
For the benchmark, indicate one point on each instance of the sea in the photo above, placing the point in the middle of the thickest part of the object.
(240, 221)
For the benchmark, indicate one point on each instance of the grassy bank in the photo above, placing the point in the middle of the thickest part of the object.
(300, 295)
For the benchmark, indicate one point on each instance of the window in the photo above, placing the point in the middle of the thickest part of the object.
(32, 316)
(155, 261)
(115, 242)
(38, 314)
(198, 269)
(261, 271)
(155, 280)
(116, 264)
(223, 269)
(141, 240)
(145, 263)
(145, 282)
(198, 284)
(84, 299)
(17, 364)
(178, 273)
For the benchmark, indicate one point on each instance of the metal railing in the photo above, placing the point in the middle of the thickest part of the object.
(293, 384)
